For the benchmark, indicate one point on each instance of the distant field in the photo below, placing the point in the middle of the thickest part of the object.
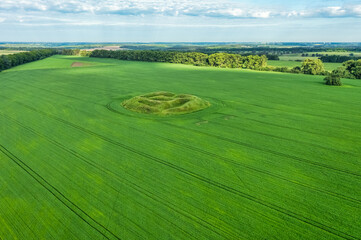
(294, 57)
(276, 156)
(291, 64)
(7, 52)
(356, 54)
(298, 56)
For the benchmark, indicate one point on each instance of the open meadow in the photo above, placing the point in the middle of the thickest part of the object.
(299, 57)
(7, 52)
(275, 156)
(291, 64)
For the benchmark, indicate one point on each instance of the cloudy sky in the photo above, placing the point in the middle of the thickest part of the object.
(180, 20)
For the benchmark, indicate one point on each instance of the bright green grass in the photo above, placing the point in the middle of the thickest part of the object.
(276, 156)
(291, 64)
(165, 103)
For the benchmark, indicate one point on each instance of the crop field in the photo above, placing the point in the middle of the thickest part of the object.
(299, 57)
(7, 52)
(291, 64)
(275, 156)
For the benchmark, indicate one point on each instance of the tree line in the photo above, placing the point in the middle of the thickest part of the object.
(75, 52)
(337, 58)
(223, 60)
(12, 60)
(350, 69)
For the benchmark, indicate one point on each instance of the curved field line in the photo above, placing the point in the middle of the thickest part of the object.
(117, 176)
(17, 215)
(178, 143)
(226, 188)
(284, 138)
(288, 127)
(210, 154)
(77, 155)
(297, 113)
(278, 125)
(60, 94)
(281, 126)
(341, 196)
(58, 195)
(269, 151)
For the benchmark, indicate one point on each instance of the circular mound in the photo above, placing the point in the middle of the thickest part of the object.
(165, 103)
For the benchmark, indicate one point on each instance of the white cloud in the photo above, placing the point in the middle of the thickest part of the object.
(335, 11)
(261, 14)
(176, 8)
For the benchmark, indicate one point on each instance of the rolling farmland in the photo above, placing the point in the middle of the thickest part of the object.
(274, 155)
(7, 52)
(291, 64)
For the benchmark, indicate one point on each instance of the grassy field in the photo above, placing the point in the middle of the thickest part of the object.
(298, 56)
(7, 52)
(276, 156)
(291, 64)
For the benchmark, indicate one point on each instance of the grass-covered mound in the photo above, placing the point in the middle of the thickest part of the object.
(165, 103)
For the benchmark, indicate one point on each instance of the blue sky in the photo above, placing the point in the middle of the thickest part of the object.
(180, 20)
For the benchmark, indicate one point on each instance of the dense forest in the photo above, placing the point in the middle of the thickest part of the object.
(12, 60)
(223, 60)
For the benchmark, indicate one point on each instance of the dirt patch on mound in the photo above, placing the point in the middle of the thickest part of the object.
(79, 64)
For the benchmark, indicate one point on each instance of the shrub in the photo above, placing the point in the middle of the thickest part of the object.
(296, 69)
(333, 80)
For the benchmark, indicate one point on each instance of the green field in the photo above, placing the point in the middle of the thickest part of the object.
(291, 64)
(7, 52)
(276, 156)
(298, 56)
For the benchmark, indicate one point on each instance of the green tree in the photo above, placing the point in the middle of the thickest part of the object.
(353, 68)
(333, 79)
(313, 67)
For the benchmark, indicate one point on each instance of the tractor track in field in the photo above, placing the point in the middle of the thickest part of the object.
(73, 153)
(96, 135)
(269, 151)
(58, 195)
(291, 128)
(228, 160)
(249, 167)
(354, 200)
(178, 143)
(60, 94)
(108, 106)
(105, 91)
(297, 113)
(226, 188)
(281, 126)
(129, 183)
(284, 138)
(19, 217)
